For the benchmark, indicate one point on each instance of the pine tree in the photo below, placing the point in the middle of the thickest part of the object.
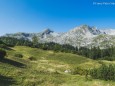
(35, 40)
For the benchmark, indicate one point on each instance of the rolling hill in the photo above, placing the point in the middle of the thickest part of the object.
(38, 67)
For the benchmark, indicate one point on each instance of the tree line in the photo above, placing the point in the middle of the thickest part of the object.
(93, 53)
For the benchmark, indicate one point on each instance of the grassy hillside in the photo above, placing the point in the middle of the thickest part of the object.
(46, 68)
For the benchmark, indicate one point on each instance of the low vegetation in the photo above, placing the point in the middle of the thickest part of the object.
(105, 72)
(48, 68)
(32, 58)
(2, 53)
(18, 55)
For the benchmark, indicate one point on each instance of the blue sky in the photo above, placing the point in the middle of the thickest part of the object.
(58, 15)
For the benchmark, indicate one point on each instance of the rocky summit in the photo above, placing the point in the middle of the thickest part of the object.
(83, 35)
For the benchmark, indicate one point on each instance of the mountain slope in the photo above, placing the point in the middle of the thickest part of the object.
(83, 35)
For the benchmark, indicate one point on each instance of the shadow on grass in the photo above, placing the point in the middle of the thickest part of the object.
(7, 48)
(6, 81)
(12, 62)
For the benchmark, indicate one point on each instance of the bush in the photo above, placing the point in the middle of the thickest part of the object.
(79, 71)
(108, 58)
(104, 72)
(18, 55)
(3, 46)
(2, 53)
(32, 58)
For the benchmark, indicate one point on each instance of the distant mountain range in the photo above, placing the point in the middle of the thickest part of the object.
(83, 35)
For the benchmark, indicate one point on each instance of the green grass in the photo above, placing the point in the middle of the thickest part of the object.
(47, 70)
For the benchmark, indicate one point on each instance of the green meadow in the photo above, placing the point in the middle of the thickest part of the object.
(38, 67)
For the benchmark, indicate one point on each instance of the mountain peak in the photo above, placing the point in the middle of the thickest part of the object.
(47, 31)
(84, 26)
(91, 29)
(86, 30)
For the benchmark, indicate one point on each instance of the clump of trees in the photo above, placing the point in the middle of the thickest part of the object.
(97, 53)
(35, 40)
(104, 72)
(57, 47)
(9, 41)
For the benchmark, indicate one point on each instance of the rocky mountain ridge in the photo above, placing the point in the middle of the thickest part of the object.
(83, 35)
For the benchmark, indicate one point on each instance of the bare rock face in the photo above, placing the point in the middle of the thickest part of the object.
(83, 35)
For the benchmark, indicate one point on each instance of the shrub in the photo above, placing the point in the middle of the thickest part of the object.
(108, 58)
(2, 53)
(18, 55)
(3, 46)
(104, 72)
(32, 58)
(79, 71)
